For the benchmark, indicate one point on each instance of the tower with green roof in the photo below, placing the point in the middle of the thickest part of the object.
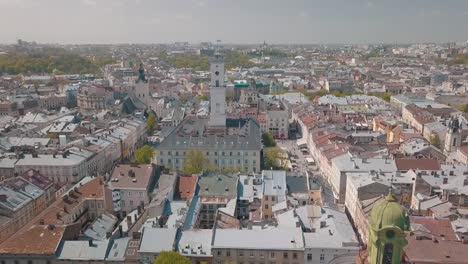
(388, 222)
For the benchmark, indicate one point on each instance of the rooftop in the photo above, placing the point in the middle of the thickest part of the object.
(218, 185)
(36, 240)
(269, 239)
(83, 250)
(417, 164)
(196, 243)
(151, 241)
(186, 186)
(275, 184)
(193, 132)
(127, 176)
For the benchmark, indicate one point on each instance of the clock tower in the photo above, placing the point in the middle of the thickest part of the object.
(217, 92)
(387, 225)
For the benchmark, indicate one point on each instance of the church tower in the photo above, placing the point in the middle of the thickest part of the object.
(387, 225)
(453, 137)
(142, 87)
(217, 92)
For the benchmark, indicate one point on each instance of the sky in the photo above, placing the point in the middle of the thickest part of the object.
(233, 21)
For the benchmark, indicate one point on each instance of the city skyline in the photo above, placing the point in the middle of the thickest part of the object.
(277, 22)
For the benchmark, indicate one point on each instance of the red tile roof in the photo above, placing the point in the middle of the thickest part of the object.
(417, 164)
(186, 187)
(441, 228)
(36, 240)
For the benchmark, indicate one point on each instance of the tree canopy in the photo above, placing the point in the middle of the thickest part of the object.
(144, 155)
(271, 156)
(435, 140)
(151, 123)
(49, 61)
(171, 257)
(465, 108)
(195, 162)
(268, 140)
(201, 63)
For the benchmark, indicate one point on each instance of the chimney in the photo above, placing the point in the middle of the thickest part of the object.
(90, 243)
(323, 224)
(139, 209)
(41, 221)
(136, 218)
(108, 234)
(120, 231)
(136, 235)
(129, 220)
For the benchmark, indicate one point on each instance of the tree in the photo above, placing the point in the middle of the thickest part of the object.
(271, 158)
(465, 108)
(151, 123)
(195, 162)
(435, 140)
(171, 257)
(144, 155)
(268, 140)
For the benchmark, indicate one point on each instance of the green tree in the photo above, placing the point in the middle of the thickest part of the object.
(268, 140)
(151, 123)
(195, 162)
(435, 140)
(271, 156)
(144, 155)
(465, 108)
(171, 257)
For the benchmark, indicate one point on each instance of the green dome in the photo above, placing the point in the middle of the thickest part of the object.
(388, 212)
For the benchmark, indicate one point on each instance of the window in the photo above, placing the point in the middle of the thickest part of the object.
(219, 253)
(294, 255)
(241, 253)
(322, 258)
(309, 257)
(131, 202)
(285, 255)
(228, 253)
(266, 206)
(266, 198)
(251, 254)
(272, 254)
(272, 198)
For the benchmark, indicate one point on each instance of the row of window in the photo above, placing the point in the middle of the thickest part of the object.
(223, 162)
(261, 254)
(246, 153)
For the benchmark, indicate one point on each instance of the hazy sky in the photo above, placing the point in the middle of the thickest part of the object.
(233, 21)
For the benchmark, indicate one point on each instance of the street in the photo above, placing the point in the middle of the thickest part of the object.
(299, 159)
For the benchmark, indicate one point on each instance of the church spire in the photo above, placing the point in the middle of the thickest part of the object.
(141, 74)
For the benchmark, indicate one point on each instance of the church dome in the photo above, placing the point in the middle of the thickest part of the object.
(388, 212)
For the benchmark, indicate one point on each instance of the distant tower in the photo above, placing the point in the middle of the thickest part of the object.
(387, 225)
(217, 92)
(142, 87)
(453, 137)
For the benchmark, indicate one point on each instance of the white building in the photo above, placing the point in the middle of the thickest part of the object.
(65, 168)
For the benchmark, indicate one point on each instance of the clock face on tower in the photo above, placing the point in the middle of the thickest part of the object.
(390, 234)
(216, 73)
